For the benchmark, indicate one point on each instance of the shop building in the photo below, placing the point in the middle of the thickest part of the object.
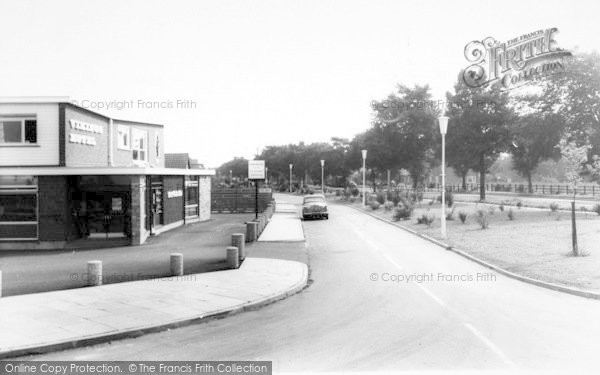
(69, 175)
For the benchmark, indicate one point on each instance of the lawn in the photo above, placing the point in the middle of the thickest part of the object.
(537, 243)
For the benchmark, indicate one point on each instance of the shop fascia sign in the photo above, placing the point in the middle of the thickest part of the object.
(84, 127)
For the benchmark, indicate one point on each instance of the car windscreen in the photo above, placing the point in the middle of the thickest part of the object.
(314, 200)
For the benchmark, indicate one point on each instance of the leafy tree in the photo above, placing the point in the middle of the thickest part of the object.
(535, 137)
(405, 127)
(237, 166)
(478, 126)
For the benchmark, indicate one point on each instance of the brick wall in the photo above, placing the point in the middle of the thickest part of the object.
(54, 216)
(204, 186)
(173, 207)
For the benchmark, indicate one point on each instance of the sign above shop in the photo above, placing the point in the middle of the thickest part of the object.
(256, 169)
(86, 127)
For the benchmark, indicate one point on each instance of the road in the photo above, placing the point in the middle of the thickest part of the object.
(348, 321)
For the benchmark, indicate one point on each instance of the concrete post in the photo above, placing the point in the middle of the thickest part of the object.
(237, 240)
(233, 257)
(251, 231)
(177, 264)
(94, 270)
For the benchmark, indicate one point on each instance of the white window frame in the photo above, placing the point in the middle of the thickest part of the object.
(123, 130)
(22, 119)
(23, 190)
(135, 134)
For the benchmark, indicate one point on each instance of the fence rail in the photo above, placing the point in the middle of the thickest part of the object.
(238, 200)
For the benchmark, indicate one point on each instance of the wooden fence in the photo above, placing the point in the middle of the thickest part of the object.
(239, 200)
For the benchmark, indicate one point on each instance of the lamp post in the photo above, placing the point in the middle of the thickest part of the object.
(443, 120)
(291, 166)
(364, 168)
(267, 175)
(323, 176)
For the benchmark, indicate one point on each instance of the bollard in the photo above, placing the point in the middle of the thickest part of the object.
(94, 268)
(251, 231)
(237, 240)
(233, 257)
(177, 264)
(0, 283)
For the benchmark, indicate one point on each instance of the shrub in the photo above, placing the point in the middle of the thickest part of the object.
(402, 212)
(501, 207)
(519, 204)
(380, 198)
(553, 207)
(450, 215)
(492, 210)
(426, 219)
(432, 202)
(462, 216)
(596, 208)
(354, 191)
(482, 219)
(449, 198)
(338, 193)
(396, 199)
(352, 199)
(511, 214)
(388, 205)
(374, 205)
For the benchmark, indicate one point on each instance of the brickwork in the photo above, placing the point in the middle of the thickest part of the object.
(54, 218)
(205, 207)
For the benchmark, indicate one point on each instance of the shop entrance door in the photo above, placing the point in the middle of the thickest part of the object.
(157, 204)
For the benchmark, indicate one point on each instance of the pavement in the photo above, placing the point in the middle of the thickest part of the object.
(202, 245)
(376, 304)
(41, 322)
(285, 225)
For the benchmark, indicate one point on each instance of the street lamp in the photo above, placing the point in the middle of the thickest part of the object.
(323, 176)
(443, 120)
(267, 175)
(364, 157)
(291, 166)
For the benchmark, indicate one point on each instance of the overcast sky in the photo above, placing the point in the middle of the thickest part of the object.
(258, 72)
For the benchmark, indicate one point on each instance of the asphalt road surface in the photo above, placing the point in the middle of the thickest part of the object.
(355, 317)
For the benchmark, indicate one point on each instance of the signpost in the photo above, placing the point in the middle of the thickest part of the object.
(256, 172)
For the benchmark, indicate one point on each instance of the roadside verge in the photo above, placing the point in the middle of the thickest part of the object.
(529, 280)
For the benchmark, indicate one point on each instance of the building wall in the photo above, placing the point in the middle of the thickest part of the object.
(204, 187)
(46, 152)
(139, 234)
(54, 218)
(173, 207)
(124, 158)
(85, 155)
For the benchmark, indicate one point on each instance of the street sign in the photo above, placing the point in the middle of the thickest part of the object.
(256, 169)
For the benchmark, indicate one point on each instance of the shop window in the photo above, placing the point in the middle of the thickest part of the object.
(139, 145)
(123, 138)
(18, 208)
(18, 130)
(192, 207)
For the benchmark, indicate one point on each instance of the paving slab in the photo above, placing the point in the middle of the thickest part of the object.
(41, 322)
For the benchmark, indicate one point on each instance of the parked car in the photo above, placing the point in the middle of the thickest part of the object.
(314, 206)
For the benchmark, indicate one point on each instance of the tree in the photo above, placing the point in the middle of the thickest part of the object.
(535, 137)
(479, 117)
(406, 126)
(575, 158)
(237, 166)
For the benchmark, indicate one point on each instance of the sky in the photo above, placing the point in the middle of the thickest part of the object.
(228, 78)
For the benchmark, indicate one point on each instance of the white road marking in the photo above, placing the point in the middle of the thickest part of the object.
(431, 295)
(490, 345)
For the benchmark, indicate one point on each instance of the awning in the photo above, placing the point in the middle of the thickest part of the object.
(74, 171)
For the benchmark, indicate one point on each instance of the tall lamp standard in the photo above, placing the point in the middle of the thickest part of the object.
(443, 120)
(267, 175)
(323, 176)
(364, 168)
(291, 166)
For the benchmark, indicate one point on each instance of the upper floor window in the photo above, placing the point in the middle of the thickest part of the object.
(139, 144)
(18, 130)
(123, 138)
